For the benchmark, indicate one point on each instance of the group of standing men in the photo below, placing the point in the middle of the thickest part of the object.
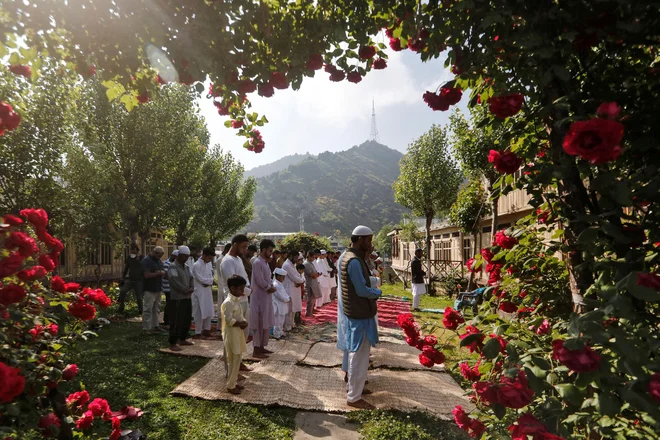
(253, 297)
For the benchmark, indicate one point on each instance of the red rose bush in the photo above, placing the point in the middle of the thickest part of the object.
(37, 321)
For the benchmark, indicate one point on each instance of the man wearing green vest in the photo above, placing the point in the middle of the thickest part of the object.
(358, 303)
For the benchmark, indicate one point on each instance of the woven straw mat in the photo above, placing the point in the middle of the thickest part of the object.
(283, 351)
(385, 355)
(323, 389)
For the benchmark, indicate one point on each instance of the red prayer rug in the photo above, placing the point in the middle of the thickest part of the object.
(388, 310)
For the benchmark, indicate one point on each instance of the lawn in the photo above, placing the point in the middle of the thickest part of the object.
(123, 366)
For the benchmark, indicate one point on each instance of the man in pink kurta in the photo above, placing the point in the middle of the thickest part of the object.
(261, 301)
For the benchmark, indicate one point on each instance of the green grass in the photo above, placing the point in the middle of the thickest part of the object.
(123, 366)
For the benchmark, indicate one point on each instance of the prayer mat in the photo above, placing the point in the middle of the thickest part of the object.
(283, 351)
(323, 389)
(388, 311)
(385, 355)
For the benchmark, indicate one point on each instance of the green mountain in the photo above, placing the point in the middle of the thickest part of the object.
(333, 191)
(278, 165)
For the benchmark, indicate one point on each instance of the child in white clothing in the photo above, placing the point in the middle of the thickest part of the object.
(281, 299)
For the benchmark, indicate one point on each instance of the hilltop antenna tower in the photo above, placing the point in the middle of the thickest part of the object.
(373, 136)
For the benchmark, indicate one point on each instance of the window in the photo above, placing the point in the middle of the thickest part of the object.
(406, 251)
(487, 229)
(467, 249)
(395, 246)
(445, 251)
(62, 259)
(456, 234)
(92, 256)
(436, 250)
(106, 253)
(446, 235)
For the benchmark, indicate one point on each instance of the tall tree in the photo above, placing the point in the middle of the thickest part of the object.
(429, 179)
(31, 158)
(149, 158)
(226, 202)
(382, 242)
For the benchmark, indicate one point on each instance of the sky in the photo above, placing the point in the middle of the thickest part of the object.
(328, 116)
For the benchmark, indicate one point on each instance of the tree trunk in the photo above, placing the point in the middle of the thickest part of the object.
(429, 220)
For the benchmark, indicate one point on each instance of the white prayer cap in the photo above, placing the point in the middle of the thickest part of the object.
(279, 271)
(184, 250)
(300, 257)
(175, 252)
(379, 259)
(323, 252)
(362, 231)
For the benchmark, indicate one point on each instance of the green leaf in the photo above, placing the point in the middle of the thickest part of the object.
(499, 410)
(129, 101)
(14, 58)
(561, 73)
(228, 123)
(569, 392)
(491, 349)
(609, 404)
(3, 50)
(629, 283)
(471, 338)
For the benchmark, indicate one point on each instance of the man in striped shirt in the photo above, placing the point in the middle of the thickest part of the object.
(166, 290)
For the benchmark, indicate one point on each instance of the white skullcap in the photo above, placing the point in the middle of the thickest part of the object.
(279, 271)
(176, 252)
(184, 250)
(300, 257)
(159, 249)
(374, 253)
(362, 231)
(323, 252)
(379, 259)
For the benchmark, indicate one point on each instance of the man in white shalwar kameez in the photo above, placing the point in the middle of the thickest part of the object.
(324, 279)
(292, 284)
(281, 301)
(202, 297)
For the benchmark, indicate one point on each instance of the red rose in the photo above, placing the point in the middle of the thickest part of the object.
(405, 320)
(504, 241)
(542, 215)
(433, 354)
(486, 391)
(472, 266)
(354, 77)
(315, 62)
(337, 76)
(418, 43)
(215, 90)
(451, 319)
(395, 44)
(412, 341)
(654, 387)
(527, 425)
(279, 81)
(487, 254)
(99, 407)
(222, 110)
(478, 428)
(380, 64)
(461, 418)
(584, 360)
(9, 119)
(82, 310)
(72, 287)
(143, 98)
(542, 329)
(24, 243)
(425, 360)
(266, 90)
(608, 110)
(53, 329)
(650, 280)
(51, 242)
(12, 294)
(503, 342)
(21, 69)
(78, 399)
(85, 422)
(430, 340)
(237, 123)
(36, 332)
(507, 162)
(494, 278)
(70, 372)
(506, 105)
(493, 267)
(447, 97)
(46, 262)
(476, 345)
(31, 274)
(11, 383)
(116, 423)
(246, 86)
(508, 307)
(514, 393)
(595, 140)
(49, 425)
(471, 374)
(58, 284)
(97, 296)
(367, 52)
(12, 220)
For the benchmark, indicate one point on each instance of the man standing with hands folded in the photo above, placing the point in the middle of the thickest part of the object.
(261, 306)
(181, 289)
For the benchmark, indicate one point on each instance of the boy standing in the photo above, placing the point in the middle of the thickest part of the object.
(233, 324)
(281, 302)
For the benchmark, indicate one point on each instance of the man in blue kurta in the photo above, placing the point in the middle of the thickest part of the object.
(358, 303)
